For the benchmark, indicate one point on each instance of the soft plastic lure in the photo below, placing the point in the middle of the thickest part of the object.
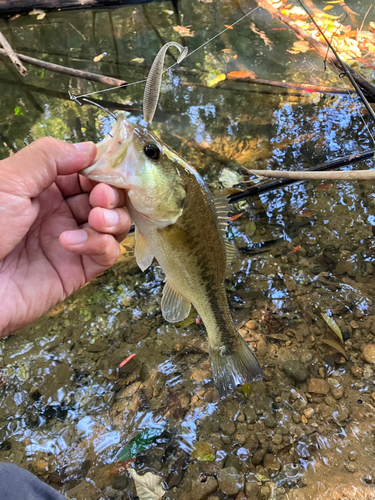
(152, 89)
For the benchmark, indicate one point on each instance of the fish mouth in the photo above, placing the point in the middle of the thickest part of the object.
(111, 152)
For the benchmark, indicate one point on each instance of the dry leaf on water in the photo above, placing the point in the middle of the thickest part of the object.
(138, 60)
(148, 486)
(181, 30)
(98, 58)
(241, 74)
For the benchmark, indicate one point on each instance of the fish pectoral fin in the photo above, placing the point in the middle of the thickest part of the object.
(143, 255)
(176, 236)
(174, 306)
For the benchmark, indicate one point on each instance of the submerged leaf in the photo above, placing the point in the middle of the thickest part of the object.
(148, 486)
(230, 178)
(140, 442)
(333, 326)
(335, 345)
(98, 58)
(246, 389)
(204, 452)
(215, 78)
(138, 60)
(241, 74)
(251, 228)
(181, 30)
(41, 16)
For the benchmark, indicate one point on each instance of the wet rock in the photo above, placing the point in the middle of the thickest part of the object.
(271, 462)
(368, 479)
(230, 481)
(350, 467)
(229, 428)
(277, 439)
(353, 456)
(252, 490)
(270, 421)
(128, 391)
(251, 416)
(337, 392)
(356, 371)
(240, 438)
(368, 353)
(40, 467)
(296, 418)
(309, 412)
(258, 457)
(233, 462)
(318, 386)
(296, 370)
(201, 489)
(241, 496)
(252, 444)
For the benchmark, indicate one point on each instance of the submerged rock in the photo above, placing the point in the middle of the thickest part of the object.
(368, 353)
(296, 370)
(318, 386)
(230, 481)
(201, 489)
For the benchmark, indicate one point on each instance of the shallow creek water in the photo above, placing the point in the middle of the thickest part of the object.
(306, 431)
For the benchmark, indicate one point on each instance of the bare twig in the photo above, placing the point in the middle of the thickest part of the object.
(12, 55)
(86, 75)
(363, 22)
(358, 175)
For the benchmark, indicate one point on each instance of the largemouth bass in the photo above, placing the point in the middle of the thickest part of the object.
(179, 222)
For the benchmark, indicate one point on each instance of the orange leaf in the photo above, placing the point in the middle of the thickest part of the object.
(229, 27)
(306, 213)
(241, 74)
(295, 249)
(324, 187)
(237, 216)
(225, 50)
(288, 6)
(123, 363)
(122, 466)
(235, 56)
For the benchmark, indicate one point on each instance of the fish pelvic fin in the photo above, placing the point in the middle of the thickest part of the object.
(238, 367)
(142, 252)
(174, 306)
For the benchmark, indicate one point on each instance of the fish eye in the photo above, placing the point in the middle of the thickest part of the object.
(152, 151)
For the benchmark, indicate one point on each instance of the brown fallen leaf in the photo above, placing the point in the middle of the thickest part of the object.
(241, 74)
(324, 187)
(306, 213)
(183, 31)
(335, 345)
(122, 466)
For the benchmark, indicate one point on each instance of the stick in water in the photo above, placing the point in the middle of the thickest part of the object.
(152, 89)
(13, 56)
(358, 175)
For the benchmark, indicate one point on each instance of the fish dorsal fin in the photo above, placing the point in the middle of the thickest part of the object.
(221, 207)
(174, 306)
(143, 255)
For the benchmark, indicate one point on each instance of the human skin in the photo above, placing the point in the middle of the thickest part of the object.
(58, 230)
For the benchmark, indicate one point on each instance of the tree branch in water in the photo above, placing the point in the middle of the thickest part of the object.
(57, 68)
(359, 175)
(12, 55)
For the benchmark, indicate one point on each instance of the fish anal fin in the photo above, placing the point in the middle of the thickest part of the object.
(174, 306)
(142, 252)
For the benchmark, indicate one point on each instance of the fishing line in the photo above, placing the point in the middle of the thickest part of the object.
(75, 97)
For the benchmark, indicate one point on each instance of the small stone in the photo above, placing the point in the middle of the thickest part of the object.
(252, 490)
(309, 412)
(321, 372)
(40, 467)
(368, 353)
(296, 370)
(229, 428)
(258, 457)
(226, 439)
(277, 439)
(356, 371)
(271, 462)
(230, 481)
(350, 467)
(252, 324)
(262, 347)
(296, 418)
(368, 479)
(270, 421)
(337, 392)
(240, 438)
(353, 456)
(304, 419)
(265, 491)
(241, 496)
(241, 418)
(318, 386)
(373, 396)
(354, 324)
(200, 491)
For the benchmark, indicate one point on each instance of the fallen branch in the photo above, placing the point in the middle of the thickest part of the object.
(85, 75)
(299, 86)
(265, 187)
(359, 175)
(324, 52)
(12, 56)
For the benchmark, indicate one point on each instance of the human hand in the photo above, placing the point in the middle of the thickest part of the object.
(58, 229)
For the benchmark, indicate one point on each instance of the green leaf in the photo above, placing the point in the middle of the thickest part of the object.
(140, 442)
(333, 326)
(204, 452)
(251, 228)
(18, 111)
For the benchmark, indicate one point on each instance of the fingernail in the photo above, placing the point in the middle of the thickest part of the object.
(84, 147)
(111, 217)
(75, 237)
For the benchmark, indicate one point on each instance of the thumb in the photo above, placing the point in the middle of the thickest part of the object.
(33, 169)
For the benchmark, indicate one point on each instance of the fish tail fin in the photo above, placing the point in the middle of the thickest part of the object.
(234, 367)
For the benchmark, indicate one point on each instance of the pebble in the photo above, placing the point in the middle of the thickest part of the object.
(270, 422)
(368, 353)
(367, 478)
(373, 396)
(353, 456)
(229, 428)
(296, 370)
(337, 392)
(277, 439)
(252, 490)
(230, 481)
(240, 438)
(200, 491)
(350, 467)
(296, 418)
(241, 496)
(356, 371)
(40, 467)
(318, 386)
(309, 412)
(271, 462)
(258, 457)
